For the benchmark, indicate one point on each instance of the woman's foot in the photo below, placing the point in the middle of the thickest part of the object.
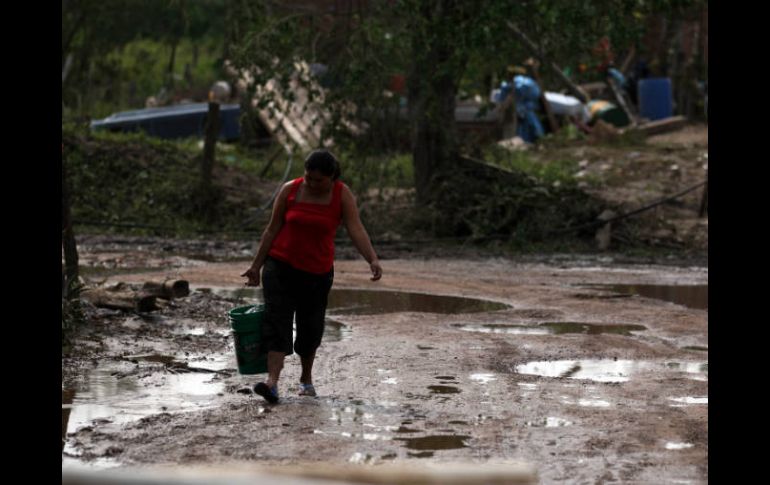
(306, 390)
(269, 393)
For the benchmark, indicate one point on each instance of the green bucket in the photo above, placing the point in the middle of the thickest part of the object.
(247, 334)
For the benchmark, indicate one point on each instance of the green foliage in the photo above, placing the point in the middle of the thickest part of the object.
(136, 179)
(553, 173)
(116, 53)
(480, 201)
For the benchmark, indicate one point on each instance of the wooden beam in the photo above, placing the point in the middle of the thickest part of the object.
(573, 88)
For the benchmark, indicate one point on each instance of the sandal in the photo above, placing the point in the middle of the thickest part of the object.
(269, 393)
(306, 390)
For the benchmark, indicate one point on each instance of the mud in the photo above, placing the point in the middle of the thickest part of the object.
(406, 383)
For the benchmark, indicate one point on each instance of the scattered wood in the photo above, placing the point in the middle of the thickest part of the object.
(627, 62)
(621, 100)
(297, 122)
(664, 125)
(167, 289)
(594, 89)
(162, 303)
(573, 88)
(120, 300)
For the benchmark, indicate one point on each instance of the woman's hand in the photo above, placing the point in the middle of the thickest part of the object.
(253, 275)
(376, 270)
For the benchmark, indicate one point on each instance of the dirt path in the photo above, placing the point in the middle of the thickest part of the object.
(629, 406)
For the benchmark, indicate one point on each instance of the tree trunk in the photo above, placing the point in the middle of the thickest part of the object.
(432, 88)
(170, 74)
(209, 145)
(68, 238)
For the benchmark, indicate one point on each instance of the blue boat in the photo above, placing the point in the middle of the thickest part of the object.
(180, 121)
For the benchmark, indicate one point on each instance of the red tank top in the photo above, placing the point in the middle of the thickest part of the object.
(306, 239)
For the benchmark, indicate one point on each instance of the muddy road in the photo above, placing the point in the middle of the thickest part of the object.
(563, 364)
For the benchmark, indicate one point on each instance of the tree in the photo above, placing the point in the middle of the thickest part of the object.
(93, 31)
(433, 42)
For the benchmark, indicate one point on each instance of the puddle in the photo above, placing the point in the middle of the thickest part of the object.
(483, 378)
(421, 454)
(72, 463)
(678, 446)
(695, 347)
(367, 302)
(104, 396)
(336, 331)
(446, 378)
(549, 422)
(694, 296)
(444, 390)
(609, 370)
(437, 442)
(359, 421)
(66, 407)
(243, 294)
(690, 400)
(591, 403)
(551, 328)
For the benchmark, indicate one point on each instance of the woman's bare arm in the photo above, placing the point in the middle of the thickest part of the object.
(358, 233)
(269, 234)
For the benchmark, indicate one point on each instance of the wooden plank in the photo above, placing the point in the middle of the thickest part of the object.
(573, 88)
(665, 125)
(621, 101)
(119, 300)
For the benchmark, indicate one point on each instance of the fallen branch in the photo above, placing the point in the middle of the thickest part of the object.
(665, 125)
(167, 289)
(120, 300)
(573, 88)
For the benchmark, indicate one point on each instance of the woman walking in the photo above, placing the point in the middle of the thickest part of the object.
(296, 258)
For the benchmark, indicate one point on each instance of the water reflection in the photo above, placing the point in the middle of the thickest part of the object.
(693, 296)
(106, 395)
(608, 370)
(366, 302)
(551, 328)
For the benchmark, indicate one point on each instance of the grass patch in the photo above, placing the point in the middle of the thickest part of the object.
(556, 172)
(134, 179)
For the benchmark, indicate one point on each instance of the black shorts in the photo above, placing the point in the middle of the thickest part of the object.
(289, 291)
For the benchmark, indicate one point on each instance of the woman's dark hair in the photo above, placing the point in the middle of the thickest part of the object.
(324, 162)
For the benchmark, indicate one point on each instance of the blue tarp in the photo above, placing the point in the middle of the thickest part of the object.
(527, 96)
(181, 121)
